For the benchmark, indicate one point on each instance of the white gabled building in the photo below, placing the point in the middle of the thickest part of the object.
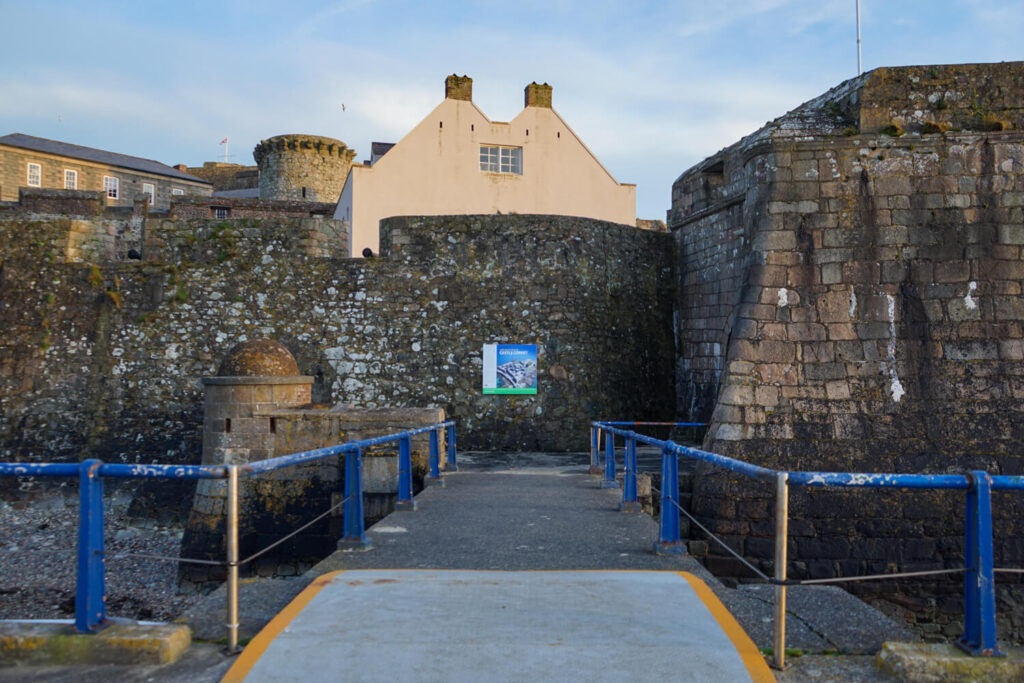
(457, 161)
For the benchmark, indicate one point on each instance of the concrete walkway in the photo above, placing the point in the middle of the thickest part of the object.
(456, 625)
(527, 512)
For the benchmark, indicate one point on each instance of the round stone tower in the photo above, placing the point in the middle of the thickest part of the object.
(302, 167)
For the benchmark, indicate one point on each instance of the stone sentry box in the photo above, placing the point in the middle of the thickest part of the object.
(258, 407)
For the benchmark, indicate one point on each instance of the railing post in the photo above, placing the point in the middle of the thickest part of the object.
(451, 465)
(630, 503)
(434, 476)
(354, 537)
(979, 637)
(609, 462)
(669, 541)
(91, 591)
(595, 450)
(781, 543)
(231, 531)
(405, 501)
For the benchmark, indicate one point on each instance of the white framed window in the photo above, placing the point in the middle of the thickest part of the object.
(150, 189)
(35, 175)
(221, 212)
(110, 186)
(177, 191)
(495, 159)
(70, 179)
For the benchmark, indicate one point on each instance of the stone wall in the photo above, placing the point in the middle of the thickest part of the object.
(105, 360)
(852, 302)
(225, 176)
(206, 207)
(92, 231)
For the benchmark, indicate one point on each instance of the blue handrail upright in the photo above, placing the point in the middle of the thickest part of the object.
(91, 589)
(630, 502)
(433, 477)
(609, 462)
(354, 537)
(669, 540)
(979, 637)
(451, 465)
(405, 500)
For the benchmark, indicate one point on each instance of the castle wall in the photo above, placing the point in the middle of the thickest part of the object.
(237, 207)
(104, 360)
(853, 303)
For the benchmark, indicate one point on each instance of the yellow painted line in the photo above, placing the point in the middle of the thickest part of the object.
(258, 645)
(751, 656)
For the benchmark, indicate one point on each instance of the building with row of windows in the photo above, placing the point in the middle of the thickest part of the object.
(457, 161)
(28, 161)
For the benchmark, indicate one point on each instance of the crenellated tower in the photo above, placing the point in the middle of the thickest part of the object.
(302, 167)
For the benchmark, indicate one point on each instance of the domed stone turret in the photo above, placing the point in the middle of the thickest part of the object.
(258, 358)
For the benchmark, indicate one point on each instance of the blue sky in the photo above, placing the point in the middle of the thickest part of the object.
(651, 87)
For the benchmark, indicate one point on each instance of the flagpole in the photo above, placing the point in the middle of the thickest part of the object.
(226, 147)
(859, 69)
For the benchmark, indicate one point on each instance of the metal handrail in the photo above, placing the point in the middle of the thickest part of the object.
(90, 592)
(979, 587)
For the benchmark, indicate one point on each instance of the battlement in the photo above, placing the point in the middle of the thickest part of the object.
(38, 201)
(302, 144)
(247, 207)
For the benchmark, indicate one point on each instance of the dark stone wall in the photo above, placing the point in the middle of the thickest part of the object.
(105, 360)
(865, 293)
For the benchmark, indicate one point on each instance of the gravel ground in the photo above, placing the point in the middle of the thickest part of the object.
(38, 546)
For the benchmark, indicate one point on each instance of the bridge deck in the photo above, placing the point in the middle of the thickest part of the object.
(453, 625)
(527, 523)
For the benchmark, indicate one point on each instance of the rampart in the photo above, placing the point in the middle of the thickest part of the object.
(850, 300)
(238, 207)
(105, 359)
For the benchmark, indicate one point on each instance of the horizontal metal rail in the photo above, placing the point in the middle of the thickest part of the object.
(979, 588)
(90, 600)
(656, 424)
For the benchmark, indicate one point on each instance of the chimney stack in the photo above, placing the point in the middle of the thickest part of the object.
(458, 88)
(538, 95)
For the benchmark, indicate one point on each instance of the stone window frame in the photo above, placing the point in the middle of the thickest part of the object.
(112, 186)
(177, 192)
(501, 159)
(70, 179)
(150, 189)
(34, 173)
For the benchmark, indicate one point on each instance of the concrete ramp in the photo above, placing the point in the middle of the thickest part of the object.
(461, 625)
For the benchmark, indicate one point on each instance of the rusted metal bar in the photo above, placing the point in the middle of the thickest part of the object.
(781, 543)
(231, 531)
(609, 461)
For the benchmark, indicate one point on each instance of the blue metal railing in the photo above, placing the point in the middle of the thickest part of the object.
(90, 592)
(979, 586)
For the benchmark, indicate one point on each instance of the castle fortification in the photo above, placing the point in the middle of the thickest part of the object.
(302, 167)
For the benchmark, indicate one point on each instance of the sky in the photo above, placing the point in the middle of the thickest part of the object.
(652, 88)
